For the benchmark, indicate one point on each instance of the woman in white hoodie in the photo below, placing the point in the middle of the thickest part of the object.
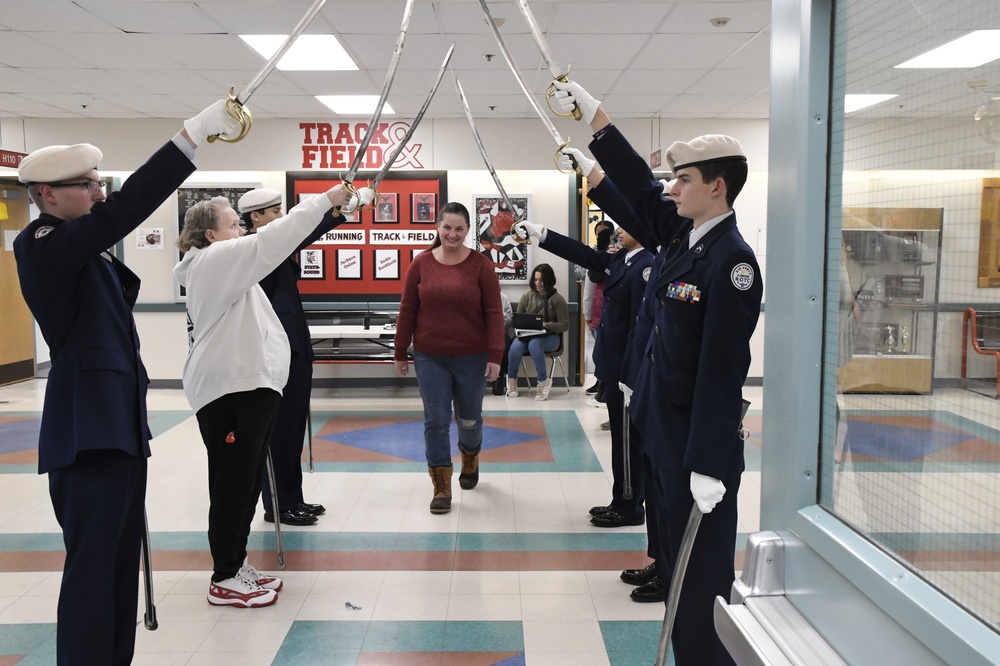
(237, 368)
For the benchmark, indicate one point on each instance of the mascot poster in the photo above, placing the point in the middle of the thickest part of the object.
(493, 220)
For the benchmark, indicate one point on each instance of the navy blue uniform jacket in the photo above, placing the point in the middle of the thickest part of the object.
(623, 289)
(281, 288)
(96, 392)
(707, 305)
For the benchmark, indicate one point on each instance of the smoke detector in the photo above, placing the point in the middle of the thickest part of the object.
(720, 22)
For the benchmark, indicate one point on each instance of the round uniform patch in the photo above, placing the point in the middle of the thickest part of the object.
(646, 272)
(742, 276)
(41, 232)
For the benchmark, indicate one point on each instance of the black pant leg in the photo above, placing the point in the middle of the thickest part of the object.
(615, 400)
(99, 503)
(289, 436)
(235, 470)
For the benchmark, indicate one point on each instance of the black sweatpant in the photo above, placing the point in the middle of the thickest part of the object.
(234, 470)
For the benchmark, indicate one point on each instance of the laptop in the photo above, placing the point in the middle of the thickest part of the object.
(527, 324)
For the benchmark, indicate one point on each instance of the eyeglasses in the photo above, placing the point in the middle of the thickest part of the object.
(93, 186)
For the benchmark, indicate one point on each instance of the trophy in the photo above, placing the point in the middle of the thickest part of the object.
(904, 339)
(890, 337)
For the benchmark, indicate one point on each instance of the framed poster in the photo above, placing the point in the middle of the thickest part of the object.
(493, 221)
(349, 264)
(189, 196)
(312, 264)
(385, 208)
(414, 253)
(423, 207)
(386, 264)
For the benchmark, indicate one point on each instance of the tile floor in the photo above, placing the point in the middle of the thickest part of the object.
(515, 574)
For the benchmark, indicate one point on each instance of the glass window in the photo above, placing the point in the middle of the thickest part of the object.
(911, 419)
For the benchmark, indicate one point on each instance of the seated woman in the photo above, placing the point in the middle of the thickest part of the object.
(541, 299)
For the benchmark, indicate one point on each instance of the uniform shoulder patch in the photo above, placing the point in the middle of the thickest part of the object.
(742, 276)
(41, 232)
(646, 272)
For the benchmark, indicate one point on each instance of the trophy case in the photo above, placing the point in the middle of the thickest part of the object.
(891, 258)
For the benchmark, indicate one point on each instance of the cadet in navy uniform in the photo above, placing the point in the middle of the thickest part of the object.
(626, 273)
(258, 208)
(94, 438)
(688, 391)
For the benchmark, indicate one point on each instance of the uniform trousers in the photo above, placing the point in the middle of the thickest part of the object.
(289, 436)
(615, 401)
(711, 570)
(235, 469)
(99, 503)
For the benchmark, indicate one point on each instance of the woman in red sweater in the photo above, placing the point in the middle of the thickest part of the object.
(450, 310)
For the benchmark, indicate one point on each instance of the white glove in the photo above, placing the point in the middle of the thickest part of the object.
(524, 229)
(364, 197)
(210, 122)
(571, 159)
(707, 492)
(569, 93)
(626, 391)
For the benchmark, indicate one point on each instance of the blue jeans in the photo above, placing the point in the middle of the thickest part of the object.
(444, 381)
(536, 345)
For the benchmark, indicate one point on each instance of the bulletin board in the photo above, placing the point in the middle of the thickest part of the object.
(366, 258)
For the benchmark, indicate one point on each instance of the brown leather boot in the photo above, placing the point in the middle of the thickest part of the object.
(470, 471)
(441, 477)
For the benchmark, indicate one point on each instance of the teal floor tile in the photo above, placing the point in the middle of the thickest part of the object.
(315, 642)
(38, 639)
(483, 637)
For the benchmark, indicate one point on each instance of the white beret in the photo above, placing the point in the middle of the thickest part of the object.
(258, 199)
(55, 163)
(707, 148)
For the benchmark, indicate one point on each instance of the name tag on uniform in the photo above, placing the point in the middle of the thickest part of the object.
(682, 291)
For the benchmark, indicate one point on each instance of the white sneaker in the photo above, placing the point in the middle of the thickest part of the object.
(240, 591)
(543, 390)
(264, 580)
(511, 387)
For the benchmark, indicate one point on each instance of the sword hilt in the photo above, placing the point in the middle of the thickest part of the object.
(238, 112)
(550, 92)
(555, 158)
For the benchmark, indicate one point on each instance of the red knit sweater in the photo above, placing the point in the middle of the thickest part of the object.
(450, 310)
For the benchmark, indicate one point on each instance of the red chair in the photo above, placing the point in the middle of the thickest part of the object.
(984, 328)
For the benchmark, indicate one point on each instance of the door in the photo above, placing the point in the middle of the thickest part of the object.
(17, 353)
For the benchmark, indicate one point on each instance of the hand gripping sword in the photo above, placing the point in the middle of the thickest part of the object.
(486, 158)
(413, 126)
(236, 104)
(390, 74)
(680, 566)
(558, 73)
(553, 132)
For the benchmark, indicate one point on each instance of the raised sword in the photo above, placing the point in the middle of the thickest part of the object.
(557, 71)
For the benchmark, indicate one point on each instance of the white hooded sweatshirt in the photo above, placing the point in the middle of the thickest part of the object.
(236, 341)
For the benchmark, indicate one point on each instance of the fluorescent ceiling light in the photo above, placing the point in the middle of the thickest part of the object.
(308, 53)
(854, 103)
(972, 50)
(353, 105)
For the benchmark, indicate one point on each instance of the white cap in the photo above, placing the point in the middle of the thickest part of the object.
(707, 148)
(55, 163)
(258, 199)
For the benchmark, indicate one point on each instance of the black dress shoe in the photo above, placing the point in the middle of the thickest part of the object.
(500, 385)
(309, 509)
(615, 519)
(292, 518)
(593, 389)
(639, 577)
(600, 510)
(652, 592)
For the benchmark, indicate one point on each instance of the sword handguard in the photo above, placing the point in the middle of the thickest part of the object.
(238, 112)
(550, 92)
(555, 158)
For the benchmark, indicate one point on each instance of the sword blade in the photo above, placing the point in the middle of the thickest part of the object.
(272, 62)
(416, 121)
(543, 46)
(390, 74)
(517, 75)
(482, 148)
